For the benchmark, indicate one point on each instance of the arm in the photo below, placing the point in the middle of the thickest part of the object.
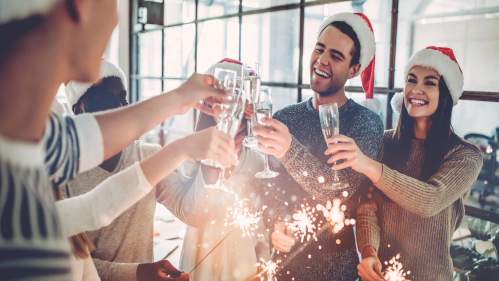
(188, 201)
(133, 121)
(368, 239)
(77, 144)
(100, 206)
(294, 156)
(367, 226)
(455, 176)
(103, 204)
(116, 271)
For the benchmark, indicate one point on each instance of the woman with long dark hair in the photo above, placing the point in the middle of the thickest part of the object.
(424, 177)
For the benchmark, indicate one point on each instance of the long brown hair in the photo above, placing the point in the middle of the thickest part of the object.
(439, 140)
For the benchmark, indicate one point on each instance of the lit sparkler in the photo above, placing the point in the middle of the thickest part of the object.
(335, 215)
(244, 219)
(394, 271)
(268, 268)
(303, 223)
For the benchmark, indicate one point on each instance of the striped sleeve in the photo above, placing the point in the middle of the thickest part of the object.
(73, 145)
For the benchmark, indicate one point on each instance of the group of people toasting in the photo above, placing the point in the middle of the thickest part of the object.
(404, 187)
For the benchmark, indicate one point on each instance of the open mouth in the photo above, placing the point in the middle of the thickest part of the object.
(418, 102)
(321, 74)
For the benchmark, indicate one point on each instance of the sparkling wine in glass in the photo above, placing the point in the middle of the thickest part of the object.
(252, 82)
(229, 122)
(263, 108)
(330, 125)
(225, 79)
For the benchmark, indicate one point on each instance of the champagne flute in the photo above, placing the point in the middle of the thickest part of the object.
(225, 79)
(263, 108)
(252, 82)
(330, 125)
(229, 122)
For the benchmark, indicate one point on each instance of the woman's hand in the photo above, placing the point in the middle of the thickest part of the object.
(345, 148)
(370, 266)
(212, 144)
(160, 271)
(198, 87)
(282, 238)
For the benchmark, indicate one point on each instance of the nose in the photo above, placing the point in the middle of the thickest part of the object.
(418, 89)
(323, 59)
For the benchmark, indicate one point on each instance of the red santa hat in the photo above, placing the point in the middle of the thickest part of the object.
(75, 90)
(441, 60)
(227, 63)
(11, 10)
(364, 31)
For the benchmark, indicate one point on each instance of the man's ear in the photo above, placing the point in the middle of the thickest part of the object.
(354, 69)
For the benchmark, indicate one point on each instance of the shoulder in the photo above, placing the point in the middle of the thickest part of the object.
(142, 150)
(464, 150)
(367, 117)
(291, 111)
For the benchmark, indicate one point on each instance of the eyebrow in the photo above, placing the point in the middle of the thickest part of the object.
(332, 50)
(427, 77)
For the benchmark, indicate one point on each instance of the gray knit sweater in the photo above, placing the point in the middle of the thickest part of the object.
(295, 187)
(416, 218)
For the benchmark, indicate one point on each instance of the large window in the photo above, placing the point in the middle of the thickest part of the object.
(281, 34)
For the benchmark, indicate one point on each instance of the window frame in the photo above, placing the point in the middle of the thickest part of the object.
(389, 91)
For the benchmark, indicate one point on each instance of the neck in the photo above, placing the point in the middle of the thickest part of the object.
(31, 75)
(338, 97)
(422, 127)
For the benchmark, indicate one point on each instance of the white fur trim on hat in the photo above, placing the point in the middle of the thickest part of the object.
(75, 90)
(364, 34)
(444, 65)
(373, 104)
(22, 9)
(397, 102)
(225, 65)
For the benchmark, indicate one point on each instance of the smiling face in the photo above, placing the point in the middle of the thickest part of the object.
(330, 62)
(421, 93)
(107, 93)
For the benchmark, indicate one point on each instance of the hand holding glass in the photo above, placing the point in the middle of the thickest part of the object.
(330, 125)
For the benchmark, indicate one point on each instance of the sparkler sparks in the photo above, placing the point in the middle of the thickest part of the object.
(303, 223)
(394, 271)
(268, 267)
(244, 219)
(335, 214)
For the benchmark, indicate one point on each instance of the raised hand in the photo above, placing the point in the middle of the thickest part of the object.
(273, 139)
(346, 148)
(212, 144)
(198, 87)
(282, 238)
(160, 271)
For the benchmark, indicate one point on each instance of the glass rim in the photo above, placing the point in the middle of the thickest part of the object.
(328, 104)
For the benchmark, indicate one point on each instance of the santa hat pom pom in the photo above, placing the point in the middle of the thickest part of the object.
(373, 104)
(397, 102)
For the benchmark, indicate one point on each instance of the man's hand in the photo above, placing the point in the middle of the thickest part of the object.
(212, 144)
(282, 238)
(273, 139)
(370, 266)
(198, 87)
(160, 271)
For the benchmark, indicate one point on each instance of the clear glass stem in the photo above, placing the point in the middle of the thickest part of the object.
(266, 163)
(221, 175)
